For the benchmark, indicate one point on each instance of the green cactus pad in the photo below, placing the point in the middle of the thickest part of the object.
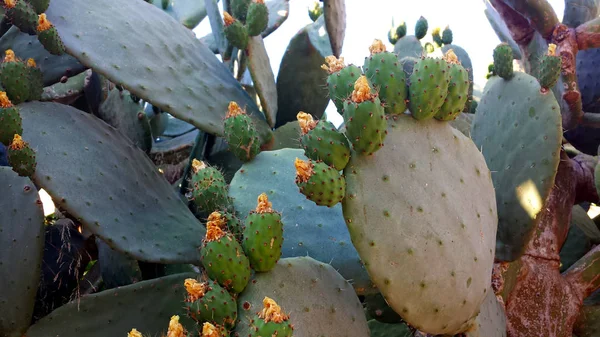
(549, 71)
(36, 83)
(447, 36)
(39, 6)
(301, 83)
(257, 18)
(421, 28)
(102, 191)
(146, 306)
(458, 93)
(341, 84)
(503, 61)
(387, 75)
(326, 144)
(187, 12)
(225, 262)
(409, 46)
(524, 156)
(308, 230)
(22, 245)
(237, 34)
(365, 125)
(239, 9)
(22, 158)
(67, 92)
(216, 306)
(263, 239)
(287, 136)
(321, 184)
(491, 321)
(436, 37)
(209, 190)
(242, 137)
(14, 76)
(334, 12)
(582, 234)
(260, 328)
(428, 88)
(23, 16)
(120, 111)
(116, 268)
(379, 329)
(318, 299)
(10, 124)
(401, 30)
(424, 203)
(27, 46)
(194, 85)
(262, 77)
(465, 61)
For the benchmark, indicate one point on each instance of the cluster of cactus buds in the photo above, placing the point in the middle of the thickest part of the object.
(250, 18)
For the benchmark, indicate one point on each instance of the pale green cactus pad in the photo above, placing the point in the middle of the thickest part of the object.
(491, 321)
(424, 203)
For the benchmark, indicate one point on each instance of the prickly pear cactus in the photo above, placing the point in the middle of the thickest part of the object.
(324, 304)
(503, 61)
(21, 157)
(428, 88)
(321, 141)
(340, 80)
(524, 156)
(240, 133)
(209, 302)
(10, 120)
(432, 185)
(208, 188)
(271, 321)
(491, 321)
(319, 182)
(458, 89)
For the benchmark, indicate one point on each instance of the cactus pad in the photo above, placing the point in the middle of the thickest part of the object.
(319, 182)
(241, 133)
(14, 75)
(235, 31)
(409, 46)
(309, 230)
(340, 80)
(321, 141)
(428, 88)
(21, 157)
(271, 321)
(465, 61)
(208, 188)
(209, 302)
(145, 306)
(320, 302)
(421, 28)
(22, 244)
(458, 90)
(429, 186)
(491, 321)
(550, 68)
(503, 61)
(10, 120)
(21, 14)
(257, 18)
(143, 44)
(48, 36)
(263, 236)
(524, 156)
(103, 190)
(447, 36)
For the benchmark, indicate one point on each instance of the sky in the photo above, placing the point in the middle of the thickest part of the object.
(369, 20)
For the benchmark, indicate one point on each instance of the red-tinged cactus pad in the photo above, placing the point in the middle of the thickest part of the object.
(271, 321)
(10, 120)
(21, 157)
(103, 191)
(223, 257)
(22, 15)
(386, 73)
(146, 306)
(364, 116)
(425, 203)
(323, 142)
(209, 302)
(318, 300)
(519, 131)
(263, 236)
(21, 248)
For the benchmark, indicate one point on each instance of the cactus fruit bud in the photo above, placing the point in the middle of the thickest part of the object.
(195, 289)
(362, 90)
(272, 321)
(18, 143)
(197, 165)
(447, 35)
(209, 330)
(306, 122)
(4, 101)
(228, 19)
(333, 64)
(240, 133)
(549, 69)
(451, 57)
(9, 56)
(21, 157)
(214, 230)
(257, 18)
(31, 63)
(319, 182)
(377, 47)
(217, 219)
(263, 235)
(401, 30)
(10, 3)
(43, 23)
(134, 333)
(175, 328)
(272, 312)
(48, 36)
(436, 37)
(235, 31)
(421, 28)
(503, 61)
